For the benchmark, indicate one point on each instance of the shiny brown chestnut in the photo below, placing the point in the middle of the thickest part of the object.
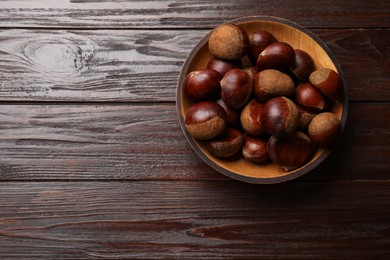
(272, 83)
(227, 144)
(233, 115)
(249, 118)
(279, 116)
(202, 85)
(257, 43)
(328, 82)
(278, 56)
(290, 152)
(229, 42)
(223, 66)
(310, 97)
(236, 87)
(324, 129)
(254, 149)
(303, 65)
(205, 120)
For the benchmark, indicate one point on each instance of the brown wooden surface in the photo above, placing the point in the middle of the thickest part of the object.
(93, 163)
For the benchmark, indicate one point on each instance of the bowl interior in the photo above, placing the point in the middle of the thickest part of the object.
(285, 31)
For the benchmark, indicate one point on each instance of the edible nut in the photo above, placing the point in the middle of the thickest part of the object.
(328, 82)
(278, 56)
(304, 118)
(225, 145)
(291, 152)
(279, 116)
(236, 87)
(202, 85)
(303, 65)
(310, 97)
(324, 129)
(272, 83)
(205, 120)
(255, 149)
(223, 66)
(249, 118)
(257, 42)
(233, 115)
(228, 41)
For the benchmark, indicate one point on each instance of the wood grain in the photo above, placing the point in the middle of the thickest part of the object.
(139, 142)
(134, 66)
(188, 14)
(202, 219)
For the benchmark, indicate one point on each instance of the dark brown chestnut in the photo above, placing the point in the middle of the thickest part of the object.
(202, 85)
(223, 66)
(278, 56)
(233, 115)
(290, 152)
(310, 97)
(324, 129)
(257, 42)
(225, 145)
(205, 120)
(328, 82)
(303, 65)
(249, 118)
(255, 149)
(272, 83)
(279, 116)
(236, 87)
(229, 42)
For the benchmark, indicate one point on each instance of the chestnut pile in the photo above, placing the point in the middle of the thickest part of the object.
(277, 107)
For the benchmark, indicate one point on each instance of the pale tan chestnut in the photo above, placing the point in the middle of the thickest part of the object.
(272, 83)
(228, 41)
(324, 129)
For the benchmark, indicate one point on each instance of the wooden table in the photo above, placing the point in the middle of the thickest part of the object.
(93, 162)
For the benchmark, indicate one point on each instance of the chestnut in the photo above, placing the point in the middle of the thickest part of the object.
(304, 118)
(324, 129)
(310, 97)
(279, 116)
(272, 83)
(251, 70)
(236, 87)
(303, 65)
(225, 145)
(278, 55)
(229, 42)
(328, 82)
(202, 85)
(257, 43)
(233, 116)
(205, 120)
(223, 66)
(249, 118)
(291, 152)
(255, 149)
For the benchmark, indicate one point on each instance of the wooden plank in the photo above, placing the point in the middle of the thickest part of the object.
(188, 14)
(138, 142)
(197, 219)
(129, 65)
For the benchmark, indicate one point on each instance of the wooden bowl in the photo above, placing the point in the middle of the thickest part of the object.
(299, 38)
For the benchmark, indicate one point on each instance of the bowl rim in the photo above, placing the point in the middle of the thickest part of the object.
(258, 180)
